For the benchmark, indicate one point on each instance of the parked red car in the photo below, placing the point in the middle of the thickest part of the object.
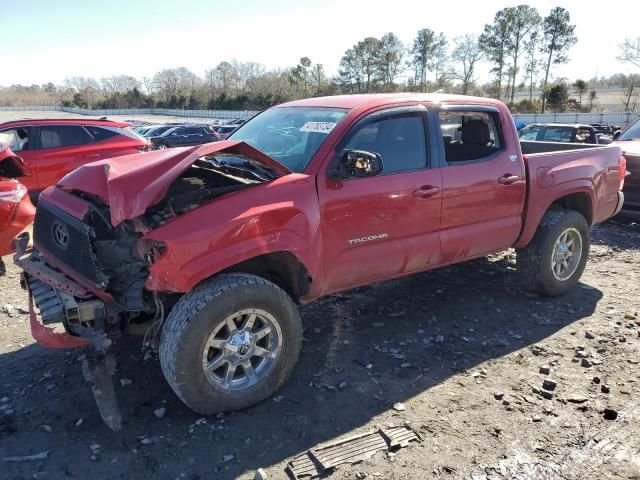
(210, 248)
(16, 210)
(54, 147)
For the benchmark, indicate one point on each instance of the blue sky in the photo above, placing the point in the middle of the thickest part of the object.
(53, 39)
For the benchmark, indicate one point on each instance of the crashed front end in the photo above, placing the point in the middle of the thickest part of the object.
(81, 274)
(87, 271)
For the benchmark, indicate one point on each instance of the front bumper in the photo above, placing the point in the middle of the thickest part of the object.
(48, 337)
(55, 298)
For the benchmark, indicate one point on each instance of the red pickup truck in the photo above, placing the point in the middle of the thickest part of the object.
(208, 249)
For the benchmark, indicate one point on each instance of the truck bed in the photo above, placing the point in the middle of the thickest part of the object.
(529, 147)
(588, 173)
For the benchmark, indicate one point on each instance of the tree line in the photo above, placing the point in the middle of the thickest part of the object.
(520, 46)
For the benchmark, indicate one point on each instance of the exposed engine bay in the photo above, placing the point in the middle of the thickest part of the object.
(115, 261)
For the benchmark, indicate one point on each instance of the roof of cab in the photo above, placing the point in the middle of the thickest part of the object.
(381, 99)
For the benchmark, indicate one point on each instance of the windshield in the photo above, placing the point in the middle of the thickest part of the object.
(631, 133)
(290, 135)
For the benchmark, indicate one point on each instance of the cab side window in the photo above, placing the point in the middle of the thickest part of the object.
(469, 136)
(399, 140)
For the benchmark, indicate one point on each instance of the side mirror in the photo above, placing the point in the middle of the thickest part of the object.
(357, 163)
(616, 134)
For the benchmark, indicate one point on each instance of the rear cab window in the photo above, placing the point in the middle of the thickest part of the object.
(470, 136)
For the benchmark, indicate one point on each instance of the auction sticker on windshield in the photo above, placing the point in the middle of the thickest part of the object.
(318, 127)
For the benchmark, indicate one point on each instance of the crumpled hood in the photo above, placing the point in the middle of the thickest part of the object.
(132, 183)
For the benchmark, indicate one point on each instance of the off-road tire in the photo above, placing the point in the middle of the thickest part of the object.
(534, 261)
(197, 313)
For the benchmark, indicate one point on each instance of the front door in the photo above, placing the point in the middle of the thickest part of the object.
(380, 227)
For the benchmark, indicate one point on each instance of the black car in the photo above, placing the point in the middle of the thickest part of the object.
(185, 135)
(157, 130)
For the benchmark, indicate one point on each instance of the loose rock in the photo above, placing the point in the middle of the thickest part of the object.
(399, 407)
(160, 412)
(545, 369)
(577, 398)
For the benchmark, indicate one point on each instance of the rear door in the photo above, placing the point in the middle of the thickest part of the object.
(60, 150)
(484, 185)
(379, 227)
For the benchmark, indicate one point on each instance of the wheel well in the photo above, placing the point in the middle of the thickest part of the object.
(580, 202)
(282, 268)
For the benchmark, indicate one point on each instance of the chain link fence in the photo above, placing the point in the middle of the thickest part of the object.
(621, 119)
(217, 114)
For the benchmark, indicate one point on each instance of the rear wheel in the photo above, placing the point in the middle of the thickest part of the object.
(230, 343)
(556, 257)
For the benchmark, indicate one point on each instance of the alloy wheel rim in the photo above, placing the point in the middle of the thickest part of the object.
(242, 349)
(566, 254)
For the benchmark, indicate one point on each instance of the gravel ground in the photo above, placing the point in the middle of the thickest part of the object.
(462, 352)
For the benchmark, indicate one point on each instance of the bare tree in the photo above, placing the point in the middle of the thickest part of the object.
(148, 84)
(88, 88)
(630, 51)
(118, 84)
(631, 92)
(466, 54)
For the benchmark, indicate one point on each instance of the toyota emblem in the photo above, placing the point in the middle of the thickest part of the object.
(60, 234)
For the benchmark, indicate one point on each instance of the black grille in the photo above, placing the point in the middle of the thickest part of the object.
(68, 240)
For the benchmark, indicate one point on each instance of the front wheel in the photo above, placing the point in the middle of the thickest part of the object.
(230, 343)
(556, 257)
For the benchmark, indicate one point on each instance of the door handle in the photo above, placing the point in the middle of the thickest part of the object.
(508, 179)
(426, 191)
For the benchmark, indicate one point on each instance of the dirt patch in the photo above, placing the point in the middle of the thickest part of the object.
(470, 357)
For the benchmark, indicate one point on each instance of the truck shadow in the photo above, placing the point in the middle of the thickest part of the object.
(363, 351)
